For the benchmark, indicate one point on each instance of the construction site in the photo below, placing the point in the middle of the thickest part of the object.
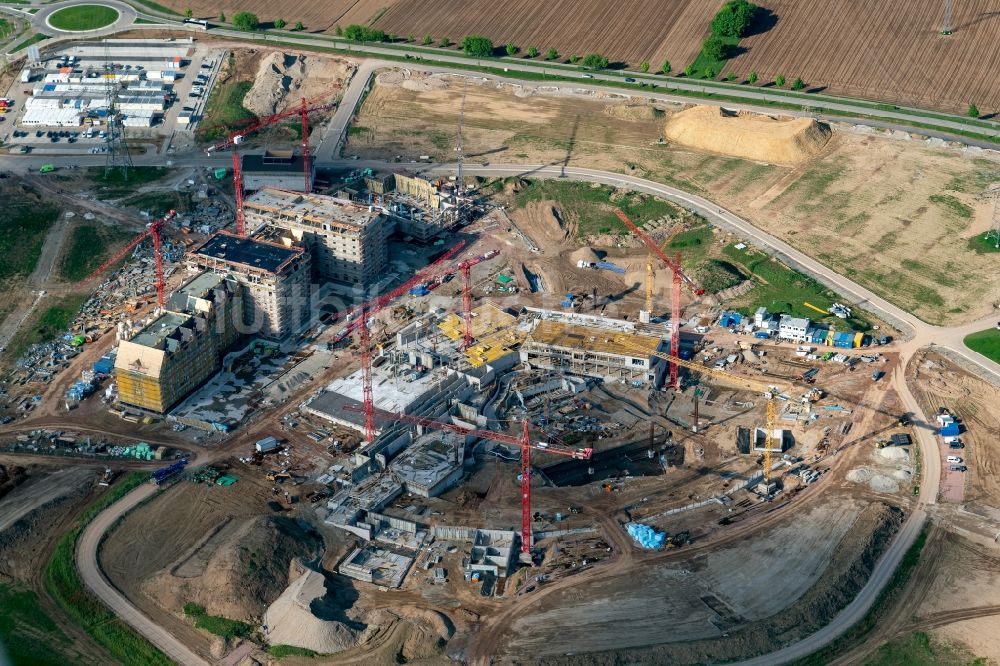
(406, 414)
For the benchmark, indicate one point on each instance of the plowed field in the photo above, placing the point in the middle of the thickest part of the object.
(628, 31)
(882, 49)
(316, 16)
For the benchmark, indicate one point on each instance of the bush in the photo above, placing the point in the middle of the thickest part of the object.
(573, 58)
(222, 17)
(532, 52)
(511, 49)
(444, 43)
(362, 33)
(644, 67)
(552, 54)
(188, 13)
(780, 80)
(731, 76)
(689, 70)
(337, 30)
(427, 40)
(298, 26)
(595, 61)
(734, 19)
(973, 111)
(715, 48)
(280, 23)
(245, 21)
(752, 78)
(709, 73)
(666, 67)
(477, 46)
(798, 84)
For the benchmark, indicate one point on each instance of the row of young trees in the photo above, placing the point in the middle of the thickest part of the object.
(248, 21)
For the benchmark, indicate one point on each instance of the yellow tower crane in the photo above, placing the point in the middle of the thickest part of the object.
(769, 391)
(649, 268)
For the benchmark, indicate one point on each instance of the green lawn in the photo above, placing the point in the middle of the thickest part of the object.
(986, 343)
(23, 228)
(62, 581)
(224, 110)
(53, 321)
(28, 633)
(984, 243)
(781, 289)
(701, 63)
(83, 17)
(34, 39)
(592, 207)
(279, 651)
(6, 28)
(90, 245)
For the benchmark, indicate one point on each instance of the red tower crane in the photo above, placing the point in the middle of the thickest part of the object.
(241, 223)
(360, 323)
(466, 269)
(675, 304)
(523, 442)
(153, 230)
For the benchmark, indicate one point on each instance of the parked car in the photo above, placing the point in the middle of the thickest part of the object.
(954, 459)
(957, 468)
(956, 445)
(629, 80)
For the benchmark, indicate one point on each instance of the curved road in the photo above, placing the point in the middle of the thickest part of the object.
(126, 17)
(94, 578)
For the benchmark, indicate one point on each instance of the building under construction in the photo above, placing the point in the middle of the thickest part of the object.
(274, 280)
(173, 354)
(346, 241)
(591, 349)
(282, 169)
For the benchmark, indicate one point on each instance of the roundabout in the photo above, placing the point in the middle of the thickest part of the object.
(83, 18)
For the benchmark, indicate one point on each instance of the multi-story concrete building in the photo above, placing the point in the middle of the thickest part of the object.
(274, 279)
(347, 242)
(172, 355)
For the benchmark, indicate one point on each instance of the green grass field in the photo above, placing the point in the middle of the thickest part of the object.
(984, 243)
(23, 228)
(593, 207)
(90, 245)
(6, 28)
(986, 343)
(83, 17)
(220, 626)
(279, 651)
(781, 289)
(34, 39)
(225, 109)
(51, 323)
(62, 581)
(27, 632)
(919, 649)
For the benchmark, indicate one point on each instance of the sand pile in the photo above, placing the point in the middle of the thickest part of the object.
(746, 135)
(283, 79)
(587, 254)
(237, 570)
(894, 453)
(861, 475)
(883, 484)
(304, 616)
(543, 222)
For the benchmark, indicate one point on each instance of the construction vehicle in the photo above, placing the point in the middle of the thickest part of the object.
(770, 393)
(47, 168)
(278, 477)
(108, 477)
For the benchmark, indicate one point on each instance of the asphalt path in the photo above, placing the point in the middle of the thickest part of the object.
(97, 582)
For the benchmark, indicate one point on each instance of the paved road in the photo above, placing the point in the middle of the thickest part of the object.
(94, 579)
(940, 126)
(126, 17)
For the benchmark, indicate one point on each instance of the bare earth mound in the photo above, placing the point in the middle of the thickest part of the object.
(748, 136)
(282, 79)
(236, 570)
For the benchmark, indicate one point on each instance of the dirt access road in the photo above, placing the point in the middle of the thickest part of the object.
(93, 578)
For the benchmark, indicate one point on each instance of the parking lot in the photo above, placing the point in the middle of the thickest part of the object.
(60, 105)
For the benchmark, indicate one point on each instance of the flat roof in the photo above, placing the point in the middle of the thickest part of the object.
(250, 252)
(273, 163)
(429, 459)
(311, 209)
(592, 339)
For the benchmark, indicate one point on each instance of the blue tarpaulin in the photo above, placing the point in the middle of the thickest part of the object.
(646, 536)
(950, 430)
